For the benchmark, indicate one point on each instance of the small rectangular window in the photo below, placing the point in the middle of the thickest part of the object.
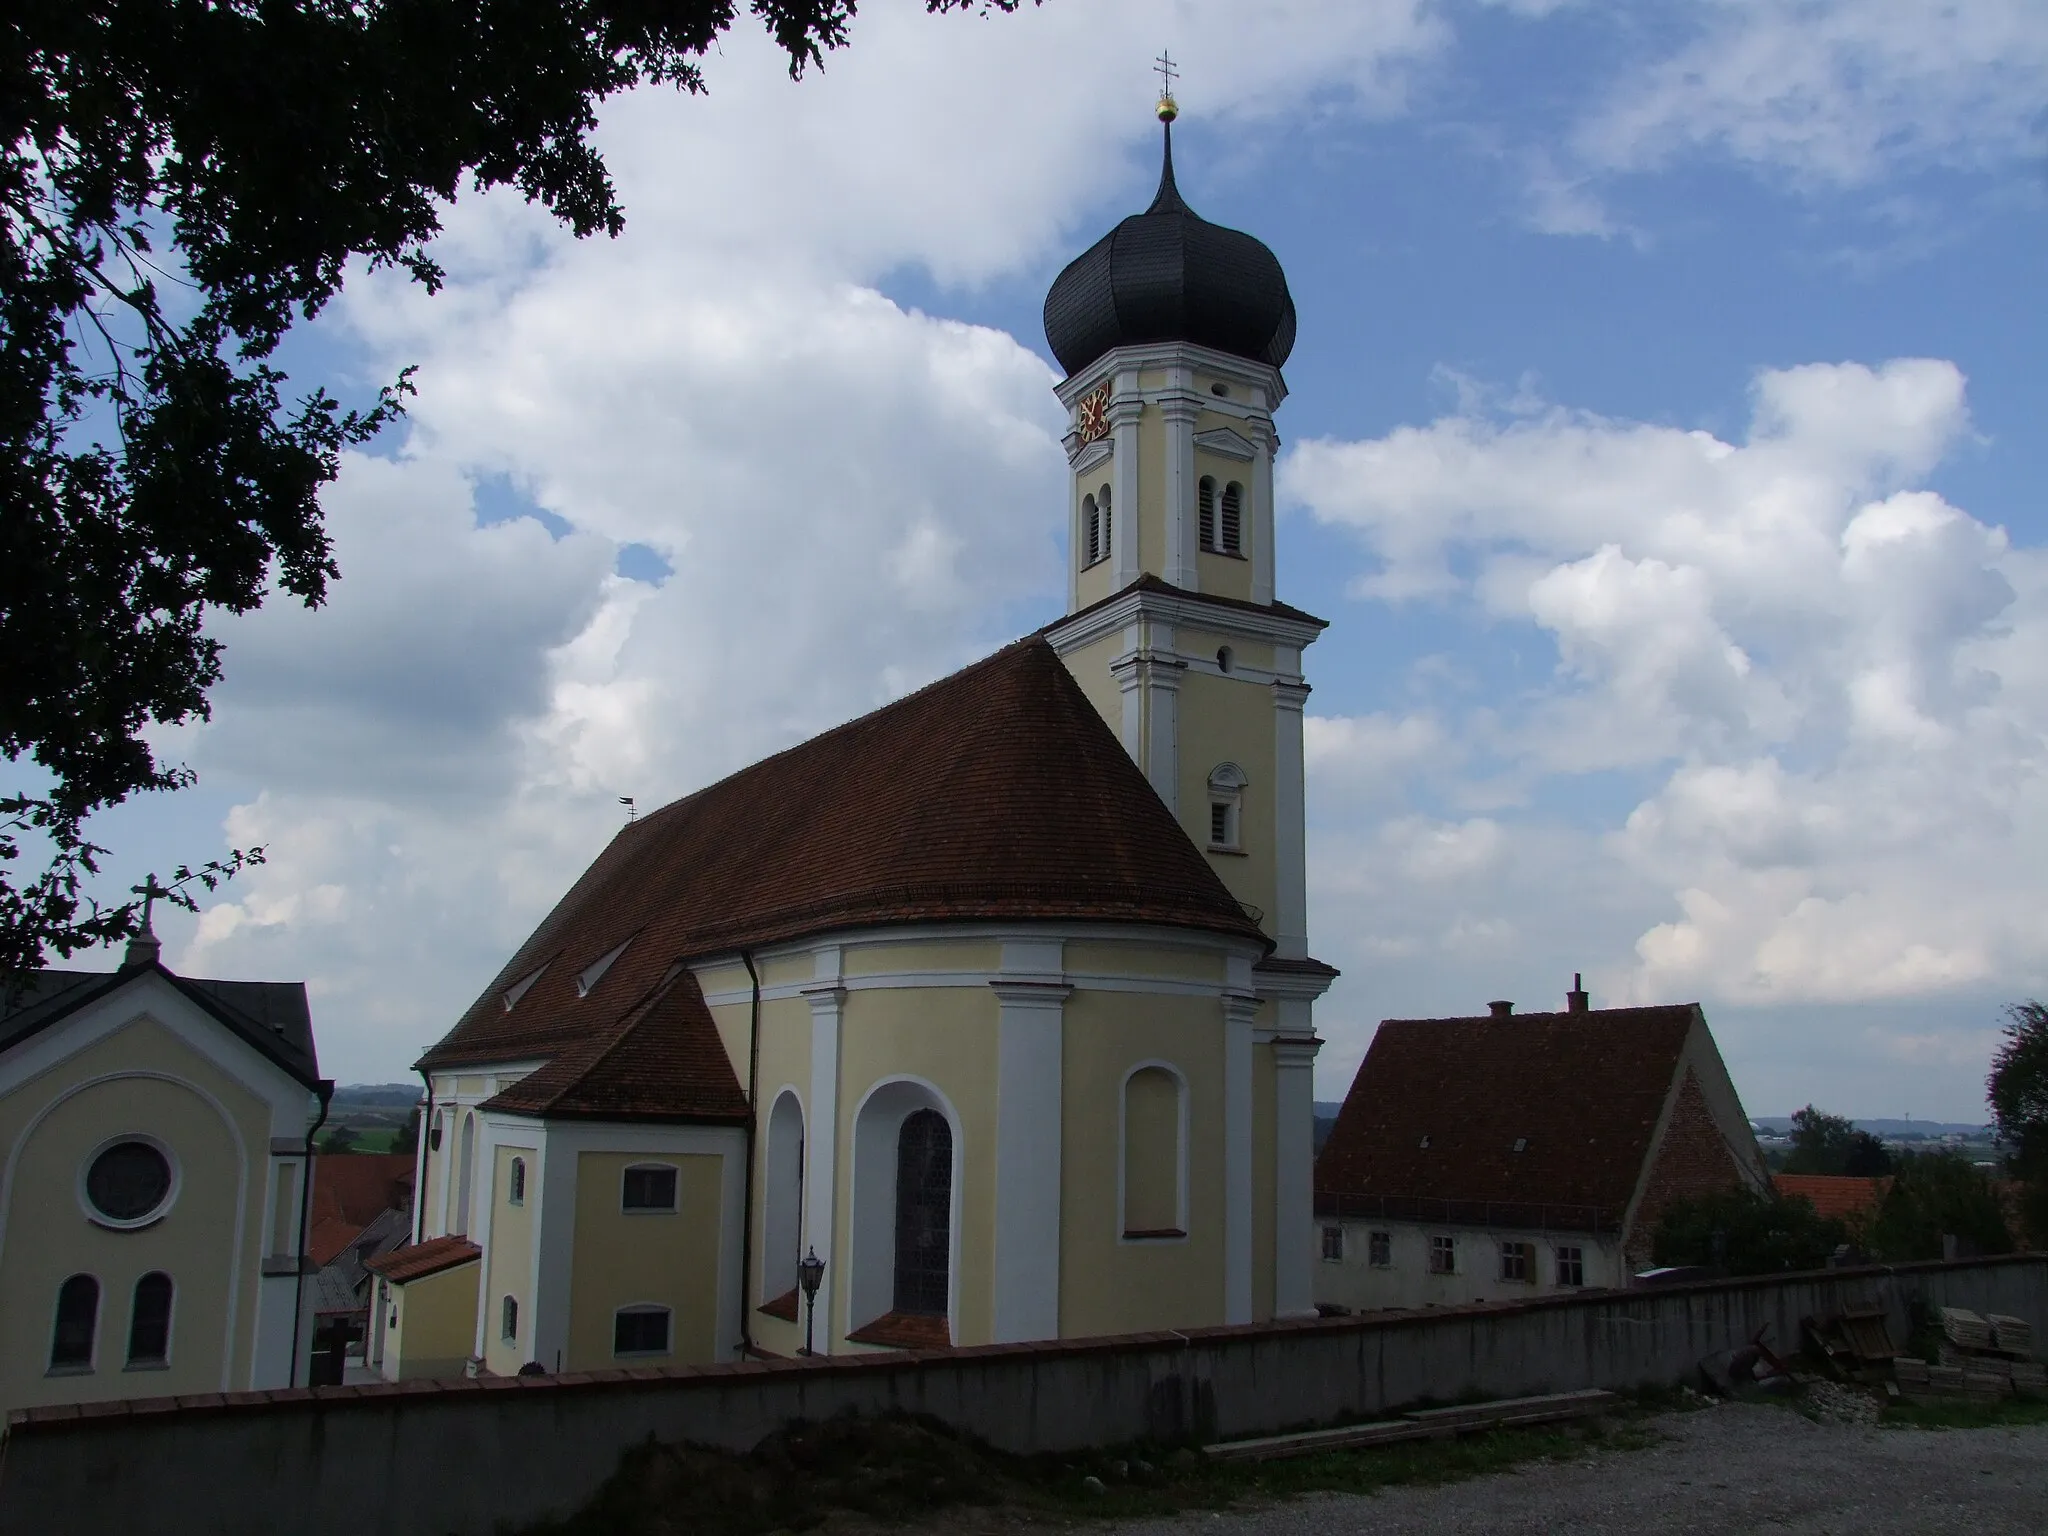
(1333, 1245)
(508, 1320)
(650, 1187)
(515, 1193)
(1518, 1261)
(1379, 1250)
(1571, 1266)
(640, 1331)
(1219, 824)
(1443, 1255)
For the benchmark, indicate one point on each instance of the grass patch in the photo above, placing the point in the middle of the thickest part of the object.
(1964, 1413)
(901, 1469)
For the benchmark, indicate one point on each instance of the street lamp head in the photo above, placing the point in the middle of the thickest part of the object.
(810, 1270)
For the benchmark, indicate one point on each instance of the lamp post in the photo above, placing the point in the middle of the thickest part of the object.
(810, 1269)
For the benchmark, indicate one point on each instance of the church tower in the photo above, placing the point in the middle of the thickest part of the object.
(1172, 331)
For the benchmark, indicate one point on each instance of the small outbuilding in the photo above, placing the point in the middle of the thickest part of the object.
(1510, 1155)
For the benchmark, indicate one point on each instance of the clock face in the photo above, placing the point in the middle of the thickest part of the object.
(1095, 414)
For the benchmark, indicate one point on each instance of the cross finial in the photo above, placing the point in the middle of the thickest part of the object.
(143, 947)
(149, 890)
(1164, 68)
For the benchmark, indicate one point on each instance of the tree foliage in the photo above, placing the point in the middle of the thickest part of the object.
(2018, 1092)
(1747, 1232)
(182, 181)
(1825, 1143)
(1936, 1195)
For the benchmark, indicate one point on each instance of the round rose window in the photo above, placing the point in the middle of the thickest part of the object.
(129, 1181)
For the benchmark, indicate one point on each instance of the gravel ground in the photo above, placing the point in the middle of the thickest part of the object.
(1738, 1467)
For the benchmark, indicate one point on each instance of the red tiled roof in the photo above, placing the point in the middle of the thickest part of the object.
(665, 1062)
(1438, 1105)
(996, 794)
(905, 1330)
(1837, 1195)
(357, 1186)
(419, 1260)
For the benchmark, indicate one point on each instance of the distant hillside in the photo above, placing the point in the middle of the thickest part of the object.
(1782, 1124)
(377, 1096)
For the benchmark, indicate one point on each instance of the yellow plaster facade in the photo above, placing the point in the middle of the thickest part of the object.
(431, 1323)
(642, 1258)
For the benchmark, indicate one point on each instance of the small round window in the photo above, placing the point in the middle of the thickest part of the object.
(128, 1182)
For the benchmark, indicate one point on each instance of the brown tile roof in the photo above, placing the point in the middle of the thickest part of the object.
(1838, 1195)
(996, 794)
(350, 1190)
(663, 1062)
(419, 1260)
(1438, 1104)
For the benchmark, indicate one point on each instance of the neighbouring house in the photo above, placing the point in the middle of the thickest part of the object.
(362, 1208)
(998, 998)
(155, 1129)
(1483, 1159)
(1842, 1197)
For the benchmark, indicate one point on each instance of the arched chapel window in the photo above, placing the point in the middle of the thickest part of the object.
(1152, 1154)
(1230, 536)
(1205, 505)
(1226, 807)
(782, 1199)
(149, 1321)
(78, 1317)
(924, 1213)
(1091, 531)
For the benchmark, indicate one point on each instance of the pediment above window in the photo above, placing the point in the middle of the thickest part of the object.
(1102, 448)
(1227, 443)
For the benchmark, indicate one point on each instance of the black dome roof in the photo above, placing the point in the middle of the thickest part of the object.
(1168, 274)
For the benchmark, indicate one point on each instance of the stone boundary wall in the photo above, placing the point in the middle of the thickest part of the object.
(428, 1458)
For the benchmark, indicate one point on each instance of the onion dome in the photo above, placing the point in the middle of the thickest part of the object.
(1168, 274)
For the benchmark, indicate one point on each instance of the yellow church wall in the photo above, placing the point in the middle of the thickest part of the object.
(1095, 582)
(51, 1238)
(432, 1324)
(1265, 1166)
(1170, 962)
(946, 1036)
(1226, 575)
(1152, 491)
(1224, 720)
(1108, 1285)
(510, 1263)
(1090, 668)
(667, 1258)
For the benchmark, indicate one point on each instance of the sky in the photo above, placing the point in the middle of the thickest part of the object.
(1664, 446)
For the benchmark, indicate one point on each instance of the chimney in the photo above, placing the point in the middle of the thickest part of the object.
(1575, 1000)
(1500, 1008)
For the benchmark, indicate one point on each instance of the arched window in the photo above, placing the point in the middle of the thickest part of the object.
(508, 1320)
(1152, 1154)
(641, 1329)
(459, 1222)
(924, 1213)
(1108, 530)
(782, 1199)
(1226, 807)
(1205, 505)
(515, 1184)
(1091, 531)
(78, 1320)
(149, 1321)
(1231, 534)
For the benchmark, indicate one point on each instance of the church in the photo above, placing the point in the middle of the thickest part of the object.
(985, 1017)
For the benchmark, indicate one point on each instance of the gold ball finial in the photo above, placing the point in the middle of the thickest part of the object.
(1169, 109)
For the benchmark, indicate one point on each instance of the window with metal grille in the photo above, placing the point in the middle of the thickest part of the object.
(1379, 1250)
(1518, 1261)
(149, 1321)
(1219, 824)
(1443, 1255)
(508, 1319)
(924, 1213)
(1571, 1266)
(78, 1317)
(1231, 532)
(1333, 1245)
(515, 1193)
(649, 1187)
(1205, 503)
(640, 1330)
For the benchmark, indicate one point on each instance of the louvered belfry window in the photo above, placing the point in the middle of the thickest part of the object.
(924, 1213)
(1230, 542)
(1205, 504)
(1102, 549)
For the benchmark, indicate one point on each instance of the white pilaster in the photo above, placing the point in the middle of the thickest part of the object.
(821, 1144)
(1262, 434)
(1162, 733)
(1178, 410)
(1032, 994)
(1076, 538)
(1294, 1118)
(1239, 1011)
(484, 1205)
(1126, 409)
(554, 1248)
(1290, 834)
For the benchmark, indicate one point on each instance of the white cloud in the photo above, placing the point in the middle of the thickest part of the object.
(1824, 679)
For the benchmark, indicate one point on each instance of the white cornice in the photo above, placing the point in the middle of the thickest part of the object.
(1190, 609)
(1241, 371)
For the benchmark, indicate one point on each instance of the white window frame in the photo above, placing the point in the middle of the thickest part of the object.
(515, 1183)
(645, 1309)
(1445, 1246)
(508, 1319)
(675, 1190)
(1524, 1253)
(1577, 1259)
(1227, 784)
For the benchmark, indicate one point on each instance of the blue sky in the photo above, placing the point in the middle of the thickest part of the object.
(1666, 376)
